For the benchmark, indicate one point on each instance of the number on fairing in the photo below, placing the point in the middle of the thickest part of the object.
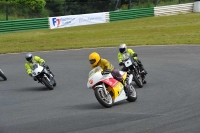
(128, 63)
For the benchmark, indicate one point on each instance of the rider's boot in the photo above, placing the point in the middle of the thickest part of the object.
(144, 81)
(143, 70)
(145, 73)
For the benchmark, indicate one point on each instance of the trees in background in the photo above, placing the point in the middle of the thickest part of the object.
(71, 7)
(48, 8)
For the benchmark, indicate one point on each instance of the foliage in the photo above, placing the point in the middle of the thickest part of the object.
(55, 7)
(32, 4)
(48, 8)
(124, 7)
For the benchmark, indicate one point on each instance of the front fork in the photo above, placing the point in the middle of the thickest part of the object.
(130, 78)
(104, 89)
(47, 77)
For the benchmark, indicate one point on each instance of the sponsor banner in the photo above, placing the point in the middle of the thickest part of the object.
(77, 20)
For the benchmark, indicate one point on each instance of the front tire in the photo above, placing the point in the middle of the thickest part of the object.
(132, 97)
(104, 100)
(138, 80)
(2, 75)
(47, 84)
(54, 83)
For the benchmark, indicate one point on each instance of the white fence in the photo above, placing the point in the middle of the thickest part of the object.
(173, 9)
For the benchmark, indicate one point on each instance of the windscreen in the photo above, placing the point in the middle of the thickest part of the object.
(93, 71)
(125, 56)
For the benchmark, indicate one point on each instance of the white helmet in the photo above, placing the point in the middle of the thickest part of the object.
(122, 48)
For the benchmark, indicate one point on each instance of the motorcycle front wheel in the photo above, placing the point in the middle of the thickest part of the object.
(3, 75)
(138, 79)
(54, 83)
(132, 97)
(104, 99)
(47, 84)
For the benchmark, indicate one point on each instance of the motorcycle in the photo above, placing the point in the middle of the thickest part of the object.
(2, 75)
(131, 65)
(108, 90)
(43, 76)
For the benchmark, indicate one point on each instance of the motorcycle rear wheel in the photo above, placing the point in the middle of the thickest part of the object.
(47, 84)
(104, 100)
(2, 75)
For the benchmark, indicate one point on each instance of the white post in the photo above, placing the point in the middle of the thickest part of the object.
(196, 7)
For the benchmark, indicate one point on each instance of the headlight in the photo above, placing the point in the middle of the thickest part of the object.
(91, 81)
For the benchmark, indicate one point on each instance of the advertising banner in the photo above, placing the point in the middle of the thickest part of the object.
(76, 20)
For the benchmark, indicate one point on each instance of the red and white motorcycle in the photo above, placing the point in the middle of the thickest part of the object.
(108, 90)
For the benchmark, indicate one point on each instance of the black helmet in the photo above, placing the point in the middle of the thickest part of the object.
(29, 57)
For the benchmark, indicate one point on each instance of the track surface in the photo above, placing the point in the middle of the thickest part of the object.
(168, 103)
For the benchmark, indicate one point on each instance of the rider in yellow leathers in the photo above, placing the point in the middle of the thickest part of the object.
(95, 60)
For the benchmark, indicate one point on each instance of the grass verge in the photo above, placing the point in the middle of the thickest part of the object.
(165, 30)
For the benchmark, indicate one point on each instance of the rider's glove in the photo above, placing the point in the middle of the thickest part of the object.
(43, 64)
(134, 55)
(102, 72)
(34, 78)
(121, 64)
(30, 74)
(105, 72)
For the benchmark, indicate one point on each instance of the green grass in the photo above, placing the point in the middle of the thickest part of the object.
(165, 30)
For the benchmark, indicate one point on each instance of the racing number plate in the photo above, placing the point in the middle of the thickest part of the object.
(128, 63)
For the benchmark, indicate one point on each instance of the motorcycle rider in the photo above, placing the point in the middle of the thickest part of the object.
(122, 50)
(30, 59)
(95, 60)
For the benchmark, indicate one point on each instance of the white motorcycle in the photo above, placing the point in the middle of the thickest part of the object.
(108, 90)
(43, 76)
(2, 75)
(131, 65)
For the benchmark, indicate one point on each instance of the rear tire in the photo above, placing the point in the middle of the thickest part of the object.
(47, 84)
(132, 97)
(2, 75)
(104, 100)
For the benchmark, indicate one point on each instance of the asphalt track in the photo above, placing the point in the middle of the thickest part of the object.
(168, 103)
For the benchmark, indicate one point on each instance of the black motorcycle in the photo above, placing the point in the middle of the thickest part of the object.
(2, 75)
(131, 65)
(43, 76)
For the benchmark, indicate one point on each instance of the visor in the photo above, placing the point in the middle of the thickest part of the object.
(92, 61)
(122, 50)
(29, 59)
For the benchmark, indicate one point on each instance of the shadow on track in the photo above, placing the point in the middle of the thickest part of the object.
(94, 106)
(42, 88)
(85, 106)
